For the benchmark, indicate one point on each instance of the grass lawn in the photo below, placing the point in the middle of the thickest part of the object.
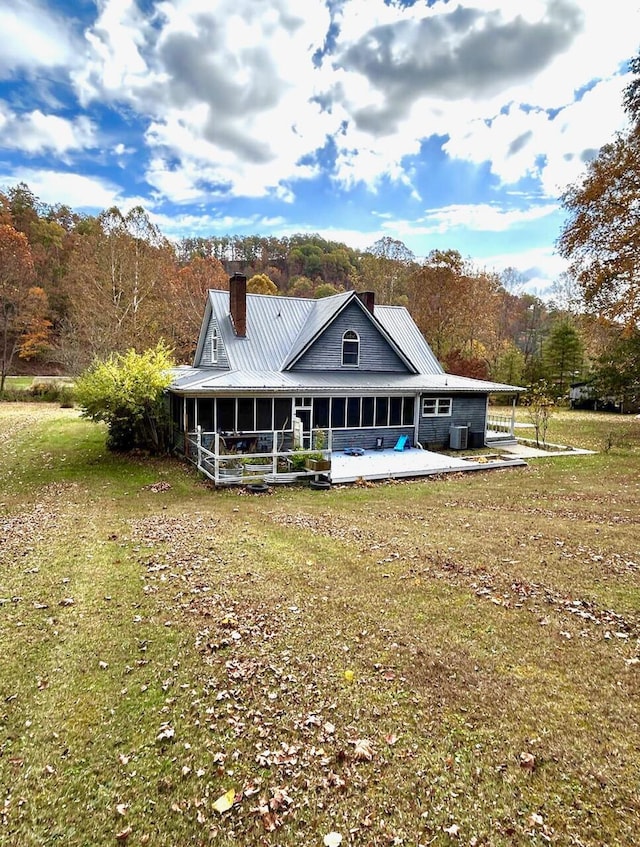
(446, 661)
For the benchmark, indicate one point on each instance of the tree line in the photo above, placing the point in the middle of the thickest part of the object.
(74, 288)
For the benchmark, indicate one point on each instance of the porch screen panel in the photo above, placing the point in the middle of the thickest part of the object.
(367, 411)
(246, 414)
(382, 411)
(320, 412)
(226, 412)
(395, 411)
(282, 413)
(191, 414)
(338, 412)
(407, 411)
(353, 412)
(264, 414)
(177, 410)
(206, 414)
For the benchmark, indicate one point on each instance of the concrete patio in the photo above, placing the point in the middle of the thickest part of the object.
(391, 464)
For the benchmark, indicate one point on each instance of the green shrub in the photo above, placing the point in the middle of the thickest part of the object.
(126, 391)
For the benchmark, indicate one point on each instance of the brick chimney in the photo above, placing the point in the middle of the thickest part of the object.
(238, 303)
(368, 299)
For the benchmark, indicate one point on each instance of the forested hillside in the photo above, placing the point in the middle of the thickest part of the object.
(73, 287)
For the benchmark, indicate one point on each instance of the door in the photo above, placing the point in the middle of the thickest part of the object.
(305, 416)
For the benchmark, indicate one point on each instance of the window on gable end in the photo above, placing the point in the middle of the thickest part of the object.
(350, 349)
(214, 346)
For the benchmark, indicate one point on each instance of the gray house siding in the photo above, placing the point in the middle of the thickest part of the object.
(376, 354)
(466, 410)
(366, 438)
(205, 359)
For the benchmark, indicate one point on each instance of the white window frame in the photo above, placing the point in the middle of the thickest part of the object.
(355, 340)
(442, 407)
(214, 346)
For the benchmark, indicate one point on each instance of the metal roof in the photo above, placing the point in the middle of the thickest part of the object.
(279, 328)
(197, 380)
(399, 324)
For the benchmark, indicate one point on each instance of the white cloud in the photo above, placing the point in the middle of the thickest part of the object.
(236, 102)
(79, 192)
(481, 217)
(524, 142)
(189, 225)
(35, 132)
(541, 266)
(447, 71)
(114, 68)
(33, 37)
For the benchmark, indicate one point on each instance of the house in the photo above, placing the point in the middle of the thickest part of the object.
(272, 374)
(584, 395)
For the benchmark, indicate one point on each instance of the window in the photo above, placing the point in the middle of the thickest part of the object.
(338, 411)
(226, 414)
(350, 349)
(367, 411)
(320, 412)
(206, 414)
(395, 411)
(382, 411)
(353, 412)
(246, 414)
(282, 417)
(214, 346)
(436, 406)
(264, 414)
(407, 411)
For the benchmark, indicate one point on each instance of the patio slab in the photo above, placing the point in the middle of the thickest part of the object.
(390, 464)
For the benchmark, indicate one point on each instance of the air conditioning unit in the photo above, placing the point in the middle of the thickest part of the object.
(458, 437)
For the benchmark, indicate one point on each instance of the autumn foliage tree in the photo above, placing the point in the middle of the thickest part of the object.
(124, 268)
(601, 237)
(187, 295)
(261, 284)
(24, 328)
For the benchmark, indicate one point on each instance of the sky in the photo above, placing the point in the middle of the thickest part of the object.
(444, 125)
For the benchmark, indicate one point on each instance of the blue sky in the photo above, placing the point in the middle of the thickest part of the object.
(442, 124)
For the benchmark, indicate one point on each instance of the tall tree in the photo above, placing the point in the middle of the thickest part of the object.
(386, 267)
(562, 355)
(261, 284)
(117, 283)
(186, 298)
(22, 305)
(617, 370)
(601, 237)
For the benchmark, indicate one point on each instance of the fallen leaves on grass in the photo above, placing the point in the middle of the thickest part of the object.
(225, 801)
(166, 732)
(527, 761)
(362, 750)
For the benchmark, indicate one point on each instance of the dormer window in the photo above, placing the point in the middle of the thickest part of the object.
(350, 349)
(214, 346)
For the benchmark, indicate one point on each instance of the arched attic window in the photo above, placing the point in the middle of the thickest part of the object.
(350, 349)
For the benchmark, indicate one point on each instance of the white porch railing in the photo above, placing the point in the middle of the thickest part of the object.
(501, 423)
(232, 468)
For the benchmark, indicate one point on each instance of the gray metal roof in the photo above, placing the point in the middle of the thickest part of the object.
(399, 324)
(279, 328)
(196, 380)
(273, 323)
